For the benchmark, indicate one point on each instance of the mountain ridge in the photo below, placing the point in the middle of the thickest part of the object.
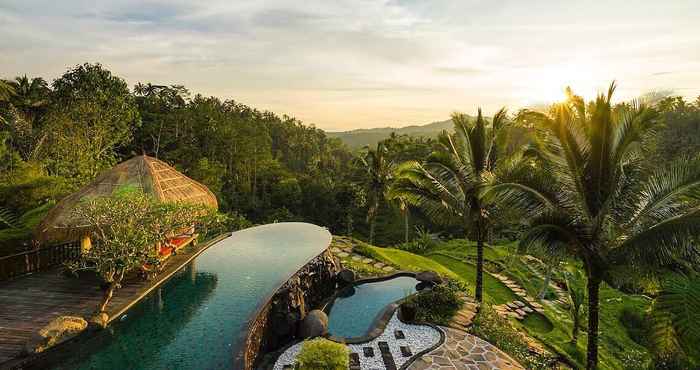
(359, 138)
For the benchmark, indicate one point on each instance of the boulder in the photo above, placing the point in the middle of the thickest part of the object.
(346, 276)
(429, 277)
(60, 329)
(314, 324)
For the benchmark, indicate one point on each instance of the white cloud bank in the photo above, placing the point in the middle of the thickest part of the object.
(350, 64)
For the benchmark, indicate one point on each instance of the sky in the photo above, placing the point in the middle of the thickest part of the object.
(358, 64)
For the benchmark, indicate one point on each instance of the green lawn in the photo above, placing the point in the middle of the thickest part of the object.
(494, 291)
(409, 261)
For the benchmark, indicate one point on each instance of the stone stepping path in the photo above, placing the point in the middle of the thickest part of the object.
(463, 351)
(517, 309)
(464, 317)
(560, 293)
(342, 248)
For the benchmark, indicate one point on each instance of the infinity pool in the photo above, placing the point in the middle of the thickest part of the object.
(355, 310)
(194, 321)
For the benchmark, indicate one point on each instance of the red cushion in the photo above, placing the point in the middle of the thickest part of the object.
(178, 241)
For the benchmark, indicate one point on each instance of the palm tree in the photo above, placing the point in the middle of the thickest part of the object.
(450, 185)
(592, 195)
(402, 205)
(30, 96)
(379, 169)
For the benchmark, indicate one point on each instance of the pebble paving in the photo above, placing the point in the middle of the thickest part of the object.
(463, 351)
(416, 338)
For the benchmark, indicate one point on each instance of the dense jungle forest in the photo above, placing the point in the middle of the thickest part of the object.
(56, 136)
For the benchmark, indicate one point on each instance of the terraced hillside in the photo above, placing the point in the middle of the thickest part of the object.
(512, 283)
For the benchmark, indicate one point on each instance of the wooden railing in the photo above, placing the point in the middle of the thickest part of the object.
(37, 259)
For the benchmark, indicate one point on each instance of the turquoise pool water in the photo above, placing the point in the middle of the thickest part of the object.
(194, 321)
(353, 312)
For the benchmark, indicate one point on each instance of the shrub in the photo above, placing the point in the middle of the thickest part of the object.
(439, 304)
(497, 331)
(364, 249)
(322, 354)
(636, 323)
(423, 243)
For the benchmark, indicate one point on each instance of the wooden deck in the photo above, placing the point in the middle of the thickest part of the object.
(30, 302)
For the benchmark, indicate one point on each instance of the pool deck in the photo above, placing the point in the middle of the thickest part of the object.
(29, 302)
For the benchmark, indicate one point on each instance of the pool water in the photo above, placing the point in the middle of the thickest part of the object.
(196, 319)
(352, 314)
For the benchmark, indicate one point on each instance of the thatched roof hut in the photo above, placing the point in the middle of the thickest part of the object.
(153, 176)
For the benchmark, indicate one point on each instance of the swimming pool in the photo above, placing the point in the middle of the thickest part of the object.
(194, 321)
(355, 309)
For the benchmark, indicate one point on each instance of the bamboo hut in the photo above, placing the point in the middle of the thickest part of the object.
(152, 176)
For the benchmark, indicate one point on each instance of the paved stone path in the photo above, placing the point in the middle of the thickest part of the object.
(517, 309)
(464, 317)
(463, 351)
(343, 248)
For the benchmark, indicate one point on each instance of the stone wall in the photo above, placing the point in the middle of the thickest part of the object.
(277, 322)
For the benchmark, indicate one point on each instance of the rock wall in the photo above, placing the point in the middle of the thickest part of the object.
(277, 322)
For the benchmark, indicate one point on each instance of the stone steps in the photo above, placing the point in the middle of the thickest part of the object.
(343, 249)
(465, 316)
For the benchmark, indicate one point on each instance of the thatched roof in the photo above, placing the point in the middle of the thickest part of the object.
(153, 176)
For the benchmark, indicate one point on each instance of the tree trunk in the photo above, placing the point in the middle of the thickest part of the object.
(348, 220)
(593, 289)
(405, 225)
(479, 270)
(371, 230)
(107, 296)
(543, 292)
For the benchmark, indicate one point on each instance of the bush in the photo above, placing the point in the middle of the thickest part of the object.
(424, 242)
(364, 249)
(497, 331)
(637, 325)
(415, 247)
(322, 354)
(437, 305)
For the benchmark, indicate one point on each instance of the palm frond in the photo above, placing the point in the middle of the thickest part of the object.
(661, 244)
(679, 305)
(666, 192)
(552, 234)
(422, 188)
(9, 219)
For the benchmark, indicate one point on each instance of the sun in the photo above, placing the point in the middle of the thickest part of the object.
(548, 85)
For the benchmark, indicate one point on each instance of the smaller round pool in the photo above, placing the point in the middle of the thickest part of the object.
(356, 307)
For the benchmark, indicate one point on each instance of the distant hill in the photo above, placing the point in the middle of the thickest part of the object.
(356, 139)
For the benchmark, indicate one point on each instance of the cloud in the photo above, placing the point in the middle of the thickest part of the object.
(394, 60)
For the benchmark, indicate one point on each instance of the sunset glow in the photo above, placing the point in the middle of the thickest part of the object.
(349, 64)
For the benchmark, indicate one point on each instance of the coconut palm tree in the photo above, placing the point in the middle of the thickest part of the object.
(450, 184)
(30, 96)
(592, 194)
(379, 169)
(401, 204)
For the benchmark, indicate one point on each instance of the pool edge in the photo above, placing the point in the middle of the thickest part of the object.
(241, 360)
